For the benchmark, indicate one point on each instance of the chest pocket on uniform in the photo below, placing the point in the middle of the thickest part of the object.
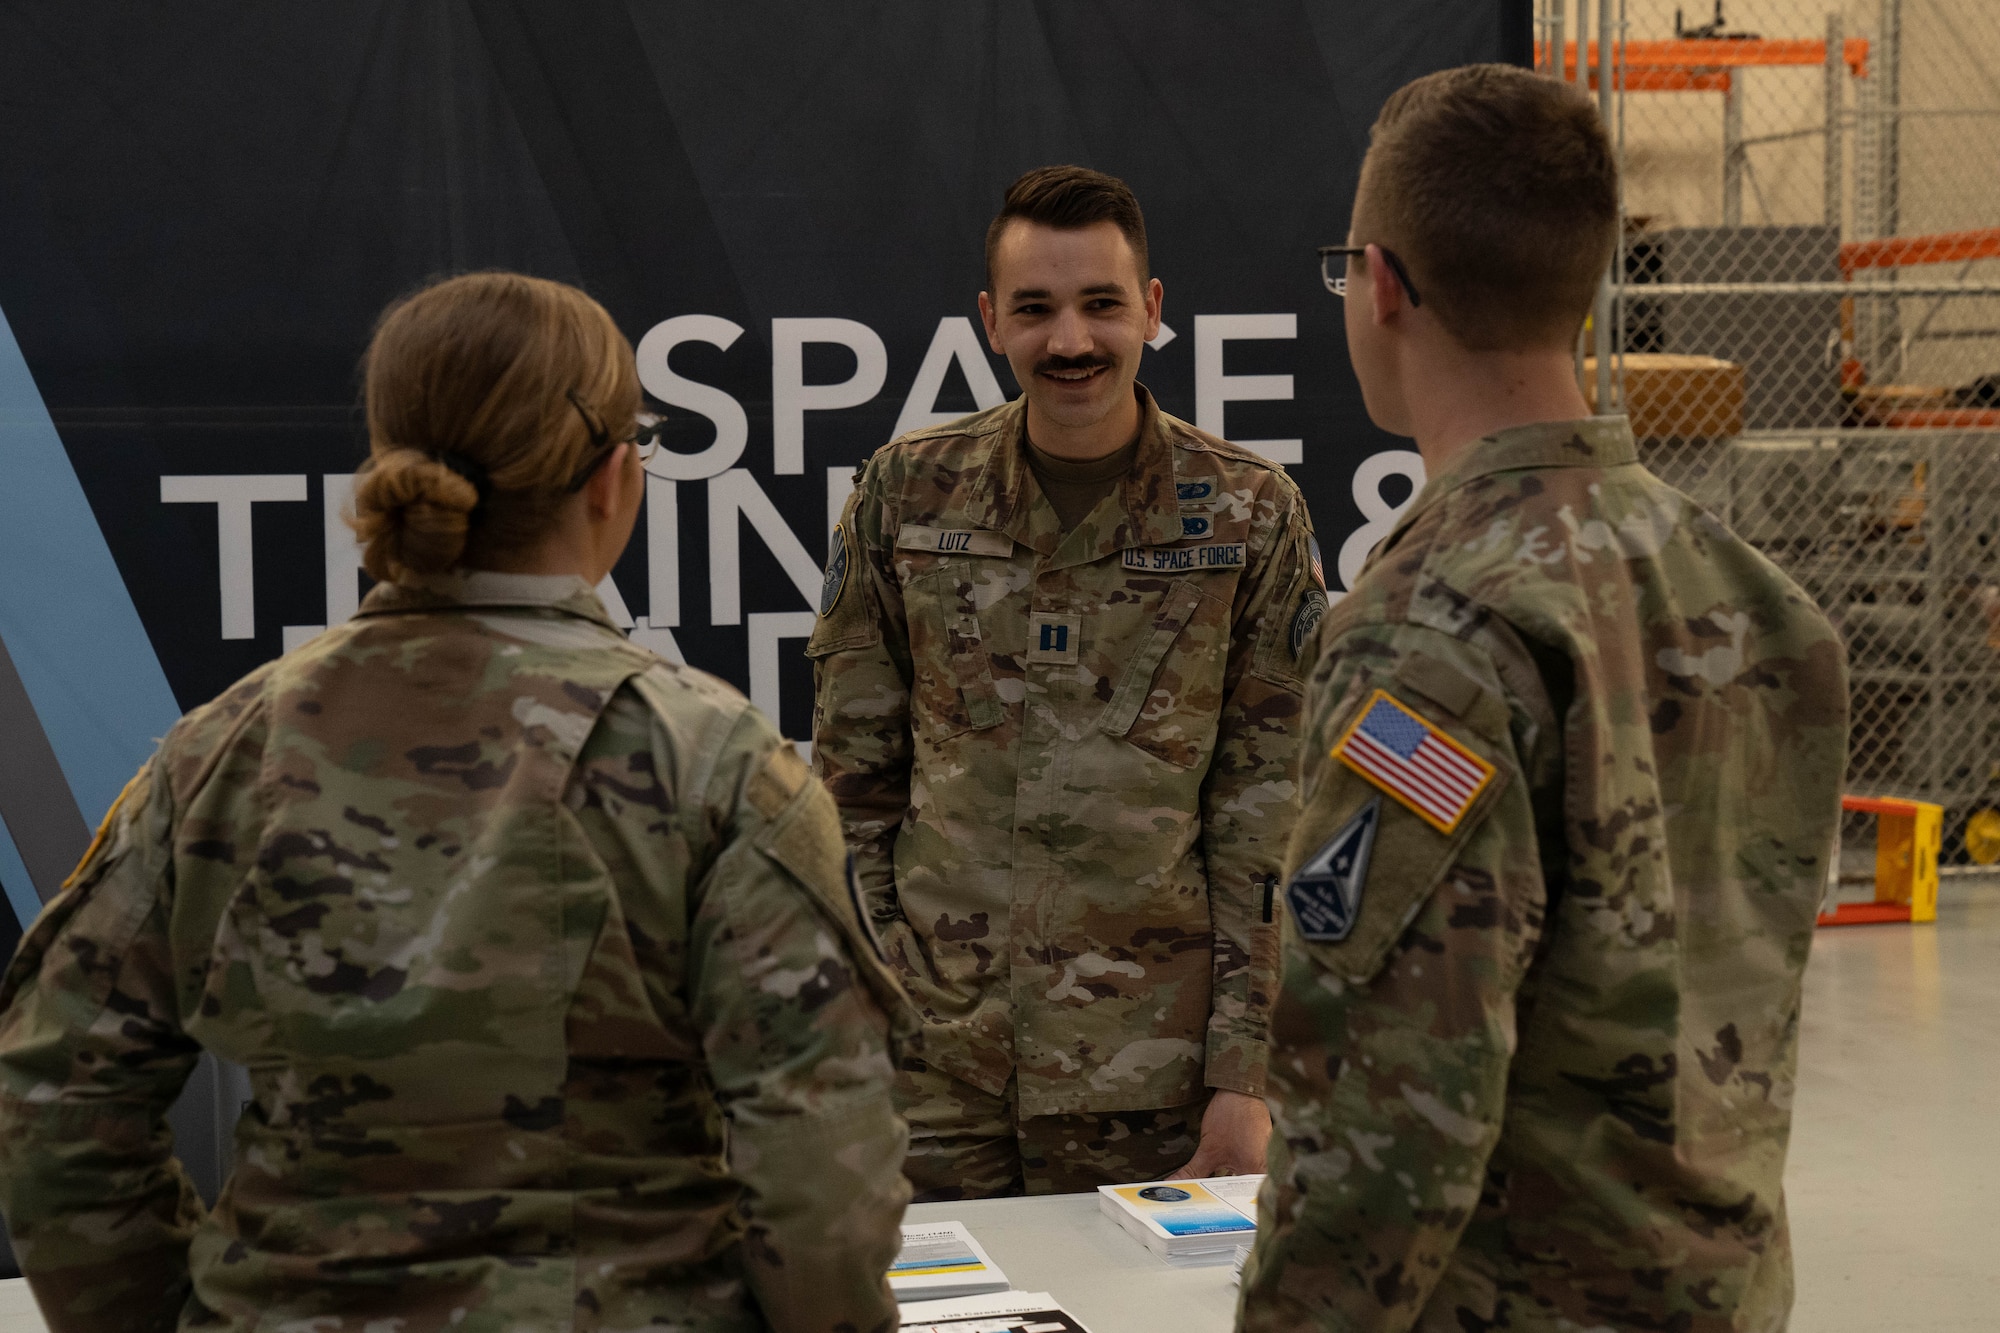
(1166, 704)
(951, 677)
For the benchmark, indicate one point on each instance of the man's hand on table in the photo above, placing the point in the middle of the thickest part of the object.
(1235, 1130)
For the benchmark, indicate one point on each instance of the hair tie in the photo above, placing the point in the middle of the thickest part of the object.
(482, 481)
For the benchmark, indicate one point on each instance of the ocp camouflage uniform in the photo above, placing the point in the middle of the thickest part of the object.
(1067, 765)
(543, 959)
(1533, 1053)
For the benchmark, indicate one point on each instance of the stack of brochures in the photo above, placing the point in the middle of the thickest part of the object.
(1189, 1223)
(1006, 1312)
(942, 1260)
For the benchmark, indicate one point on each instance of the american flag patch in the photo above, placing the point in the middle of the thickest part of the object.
(1414, 762)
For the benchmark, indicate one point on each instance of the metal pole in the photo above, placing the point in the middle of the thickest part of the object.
(1601, 314)
(1732, 150)
(1555, 31)
(1836, 70)
(1583, 43)
(1889, 69)
(1580, 76)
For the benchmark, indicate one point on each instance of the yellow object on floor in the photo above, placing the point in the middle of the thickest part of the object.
(1908, 838)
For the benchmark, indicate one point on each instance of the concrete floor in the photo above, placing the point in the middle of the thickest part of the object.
(1894, 1177)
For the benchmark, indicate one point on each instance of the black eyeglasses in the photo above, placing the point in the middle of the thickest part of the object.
(1338, 285)
(645, 440)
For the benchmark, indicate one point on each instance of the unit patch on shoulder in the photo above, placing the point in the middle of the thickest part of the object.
(1393, 747)
(1312, 609)
(1173, 559)
(1325, 893)
(836, 570)
(1196, 525)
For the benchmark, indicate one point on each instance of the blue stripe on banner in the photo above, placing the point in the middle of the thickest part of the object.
(65, 615)
(14, 879)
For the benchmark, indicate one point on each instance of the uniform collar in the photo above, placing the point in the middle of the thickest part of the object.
(1145, 510)
(1588, 442)
(567, 594)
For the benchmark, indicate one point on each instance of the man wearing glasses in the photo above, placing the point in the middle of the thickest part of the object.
(1572, 771)
(1059, 669)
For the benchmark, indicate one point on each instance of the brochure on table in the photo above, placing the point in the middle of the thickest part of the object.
(997, 1312)
(1186, 1222)
(941, 1260)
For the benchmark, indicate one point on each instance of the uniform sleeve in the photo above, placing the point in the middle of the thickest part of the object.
(91, 1056)
(789, 992)
(860, 648)
(1249, 800)
(1407, 934)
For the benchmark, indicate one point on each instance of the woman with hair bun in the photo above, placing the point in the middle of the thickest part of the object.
(542, 953)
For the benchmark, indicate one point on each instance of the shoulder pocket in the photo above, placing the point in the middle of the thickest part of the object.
(847, 614)
(1401, 795)
(805, 839)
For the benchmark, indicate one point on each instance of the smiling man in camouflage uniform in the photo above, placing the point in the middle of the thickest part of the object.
(1572, 776)
(1058, 675)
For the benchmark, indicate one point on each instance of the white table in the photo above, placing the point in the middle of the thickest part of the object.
(1061, 1244)
(17, 1308)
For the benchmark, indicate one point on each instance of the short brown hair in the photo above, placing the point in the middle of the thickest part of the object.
(1498, 189)
(510, 380)
(1069, 198)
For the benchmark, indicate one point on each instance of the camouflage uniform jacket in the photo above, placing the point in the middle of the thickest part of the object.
(543, 959)
(1547, 914)
(1068, 762)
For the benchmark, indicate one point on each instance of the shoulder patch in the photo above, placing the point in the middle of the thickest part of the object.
(1394, 748)
(1325, 893)
(1312, 609)
(836, 570)
(1318, 566)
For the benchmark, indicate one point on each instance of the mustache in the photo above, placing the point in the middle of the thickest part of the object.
(1050, 364)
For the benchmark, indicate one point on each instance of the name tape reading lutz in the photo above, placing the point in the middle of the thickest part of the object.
(954, 541)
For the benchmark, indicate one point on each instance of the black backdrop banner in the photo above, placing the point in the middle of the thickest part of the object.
(203, 206)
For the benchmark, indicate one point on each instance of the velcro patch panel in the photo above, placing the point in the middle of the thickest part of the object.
(1054, 637)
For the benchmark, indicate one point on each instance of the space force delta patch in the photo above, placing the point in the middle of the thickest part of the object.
(1393, 747)
(835, 578)
(1325, 893)
(1171, 559)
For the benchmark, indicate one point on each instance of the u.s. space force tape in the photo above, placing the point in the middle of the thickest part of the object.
(954, 541)
(1169, 559)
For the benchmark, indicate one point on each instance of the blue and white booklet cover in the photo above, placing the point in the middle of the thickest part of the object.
(1186, 1222)
(940, 1260)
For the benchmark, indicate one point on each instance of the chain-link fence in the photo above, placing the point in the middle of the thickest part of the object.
(1804, 323)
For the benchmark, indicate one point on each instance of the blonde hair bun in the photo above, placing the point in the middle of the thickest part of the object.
(412, 514)
(513, 380)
